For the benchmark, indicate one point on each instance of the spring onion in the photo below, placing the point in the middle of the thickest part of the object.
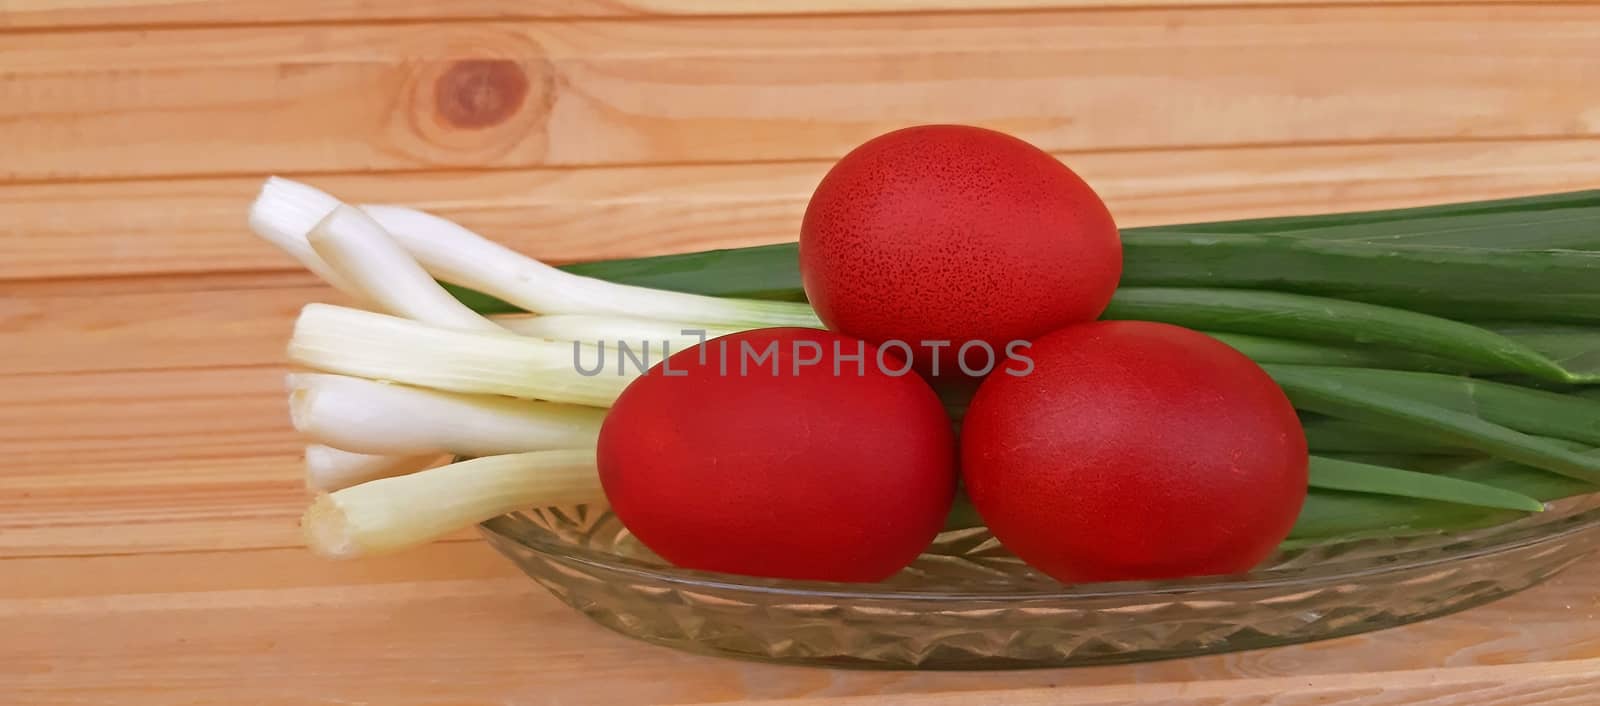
(1335, 474)
(357, 248)
(1266, 349)
(1411, 277)
(337, 339)
(1535, 483)
(1312, 389)
(296, 209)
(769, 272)
(1576, 348)
(1298, 316)
(1531, 411)
(1422, 463)
(1568, 227)
(370, 417)
(1436, 224)
(1326, 435)
(329, 469)
(1338, 514)
(1330, 513)
(390, 514)
(458, 255)
(633, 331)
(285, 211)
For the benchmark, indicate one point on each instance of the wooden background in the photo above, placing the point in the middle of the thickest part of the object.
(150, 486)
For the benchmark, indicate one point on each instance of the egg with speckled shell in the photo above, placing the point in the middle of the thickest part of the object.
(958, 234)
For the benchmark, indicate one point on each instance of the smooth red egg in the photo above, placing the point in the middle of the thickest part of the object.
(786, 453)
(953, 233)
(1134, 450)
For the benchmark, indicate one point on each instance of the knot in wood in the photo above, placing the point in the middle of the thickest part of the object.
(478, 93)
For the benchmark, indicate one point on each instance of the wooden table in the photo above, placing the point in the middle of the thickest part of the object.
(148, 501)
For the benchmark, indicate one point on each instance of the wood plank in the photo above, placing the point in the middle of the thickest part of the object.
(1554, 684)
(147, 461)
(516, 94)
(38, 580)
(196, 227)
(152, 331)
(60, 14)
(169, 460)
(113, 286)
(144, 416)
(206, 627)
(77, 508)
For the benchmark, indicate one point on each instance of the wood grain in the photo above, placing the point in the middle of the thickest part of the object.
(453, 624)
(59, 14)
(185, 329)
(518, 94)
(144, 416)
(39, 580)
(148, 461)
(132, 229)
(1553, 684)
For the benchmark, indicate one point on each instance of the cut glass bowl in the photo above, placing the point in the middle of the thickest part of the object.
(968, 604)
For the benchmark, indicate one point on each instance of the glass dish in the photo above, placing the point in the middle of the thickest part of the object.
(968, 604)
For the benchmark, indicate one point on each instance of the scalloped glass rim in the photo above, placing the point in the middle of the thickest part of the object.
(1373, 557)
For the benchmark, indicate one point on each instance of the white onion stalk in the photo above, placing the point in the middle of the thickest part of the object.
(589, 329)
(460, 256)
(371, 417)
(329, 469)
(357, 249)
(283, 213)
(392, 514)
(349, 341)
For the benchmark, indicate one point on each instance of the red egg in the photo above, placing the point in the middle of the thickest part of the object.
(817, 459)
(955, 233)
(1134, 450)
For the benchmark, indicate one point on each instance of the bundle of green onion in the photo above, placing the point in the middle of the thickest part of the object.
(1438, 355)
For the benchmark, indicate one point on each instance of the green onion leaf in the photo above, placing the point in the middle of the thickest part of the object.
(1388, 273)
(1529, 481)
(1575, 348)
(1339, 514)
(1539, 412)
(1386, 221)
(1329, 514)
(1298, 316)
(1326, 435)
(1356, 399)
(1265, 349)
(1333, 474)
